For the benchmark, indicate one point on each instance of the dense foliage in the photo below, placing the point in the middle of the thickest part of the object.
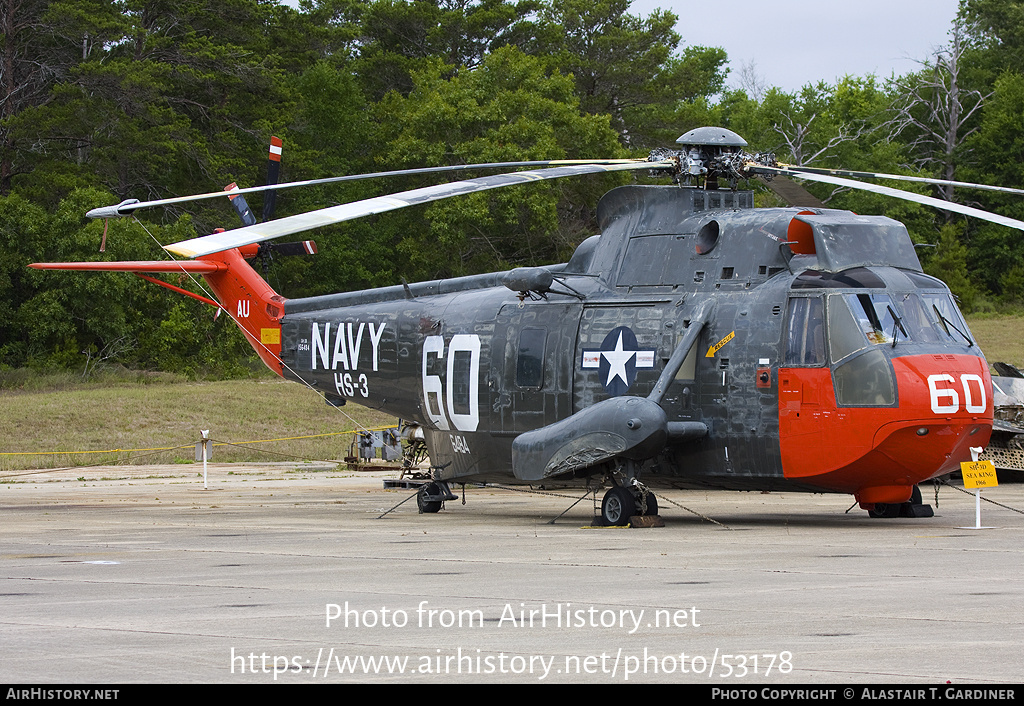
(102, 100)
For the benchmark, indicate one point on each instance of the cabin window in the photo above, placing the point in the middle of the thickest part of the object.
(688, 370)
(530, 362)
(655, 260)
(805, 335)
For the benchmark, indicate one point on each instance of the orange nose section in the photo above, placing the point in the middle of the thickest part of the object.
(944, 407)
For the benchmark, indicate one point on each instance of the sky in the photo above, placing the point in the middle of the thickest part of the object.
(795, 42)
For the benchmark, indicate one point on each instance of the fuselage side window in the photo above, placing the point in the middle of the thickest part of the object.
(530, 361)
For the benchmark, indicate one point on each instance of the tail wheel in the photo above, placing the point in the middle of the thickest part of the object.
(618, 506)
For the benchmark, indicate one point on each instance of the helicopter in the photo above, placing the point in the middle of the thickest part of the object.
(695, 342)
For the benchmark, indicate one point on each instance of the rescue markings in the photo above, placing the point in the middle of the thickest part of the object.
(718, 346)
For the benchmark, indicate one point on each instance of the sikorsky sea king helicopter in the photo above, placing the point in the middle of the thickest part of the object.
(697, 342)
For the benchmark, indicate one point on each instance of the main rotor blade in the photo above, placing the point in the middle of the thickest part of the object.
(131, 205)
(895, 193)
(902, 177)
(345, 212)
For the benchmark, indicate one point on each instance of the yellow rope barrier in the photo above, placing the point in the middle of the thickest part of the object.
(172, 448)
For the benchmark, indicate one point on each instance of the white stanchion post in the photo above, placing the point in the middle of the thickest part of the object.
(975, 455)
(204, 442)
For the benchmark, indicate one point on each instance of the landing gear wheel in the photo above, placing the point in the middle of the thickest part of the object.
(431, 506)
(885, 510)
(618, 506)
(912, 508)
(652, 505)
(915, 507)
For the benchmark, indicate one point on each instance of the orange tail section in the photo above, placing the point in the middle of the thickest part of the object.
(240, 291)
(250, 301)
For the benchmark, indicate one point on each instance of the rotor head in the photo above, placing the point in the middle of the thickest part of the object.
(707, 154)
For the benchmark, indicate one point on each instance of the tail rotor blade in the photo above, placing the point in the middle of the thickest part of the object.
(273, 172)
(302, 247)
(241, 205)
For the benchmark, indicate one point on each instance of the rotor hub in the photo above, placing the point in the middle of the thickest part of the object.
(708, 154)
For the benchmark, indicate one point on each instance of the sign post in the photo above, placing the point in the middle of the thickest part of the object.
(978, 474)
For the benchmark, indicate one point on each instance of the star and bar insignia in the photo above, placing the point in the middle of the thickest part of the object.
(618, 359)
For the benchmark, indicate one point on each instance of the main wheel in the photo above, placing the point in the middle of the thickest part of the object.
(652, 505)
(885, 510)
(618, 506)
(428, 505)
(898, 509)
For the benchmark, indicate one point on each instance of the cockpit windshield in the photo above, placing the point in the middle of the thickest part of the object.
(941, 308)
(874, 315)
(919, 325)
(861, 320)
(857, 321)
(860, 326)
(891, 319)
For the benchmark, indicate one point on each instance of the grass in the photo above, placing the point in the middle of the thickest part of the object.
(1001, 338)
(27, 380)
(99, 417)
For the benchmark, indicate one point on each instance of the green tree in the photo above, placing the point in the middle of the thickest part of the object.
(949, 263)
(388, 40)
(509, 108)
(626, 66)
(998, 25)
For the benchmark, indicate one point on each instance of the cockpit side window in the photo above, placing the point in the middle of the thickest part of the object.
(805, 334)
(857, 326)
(844, 335)
(865, 381)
